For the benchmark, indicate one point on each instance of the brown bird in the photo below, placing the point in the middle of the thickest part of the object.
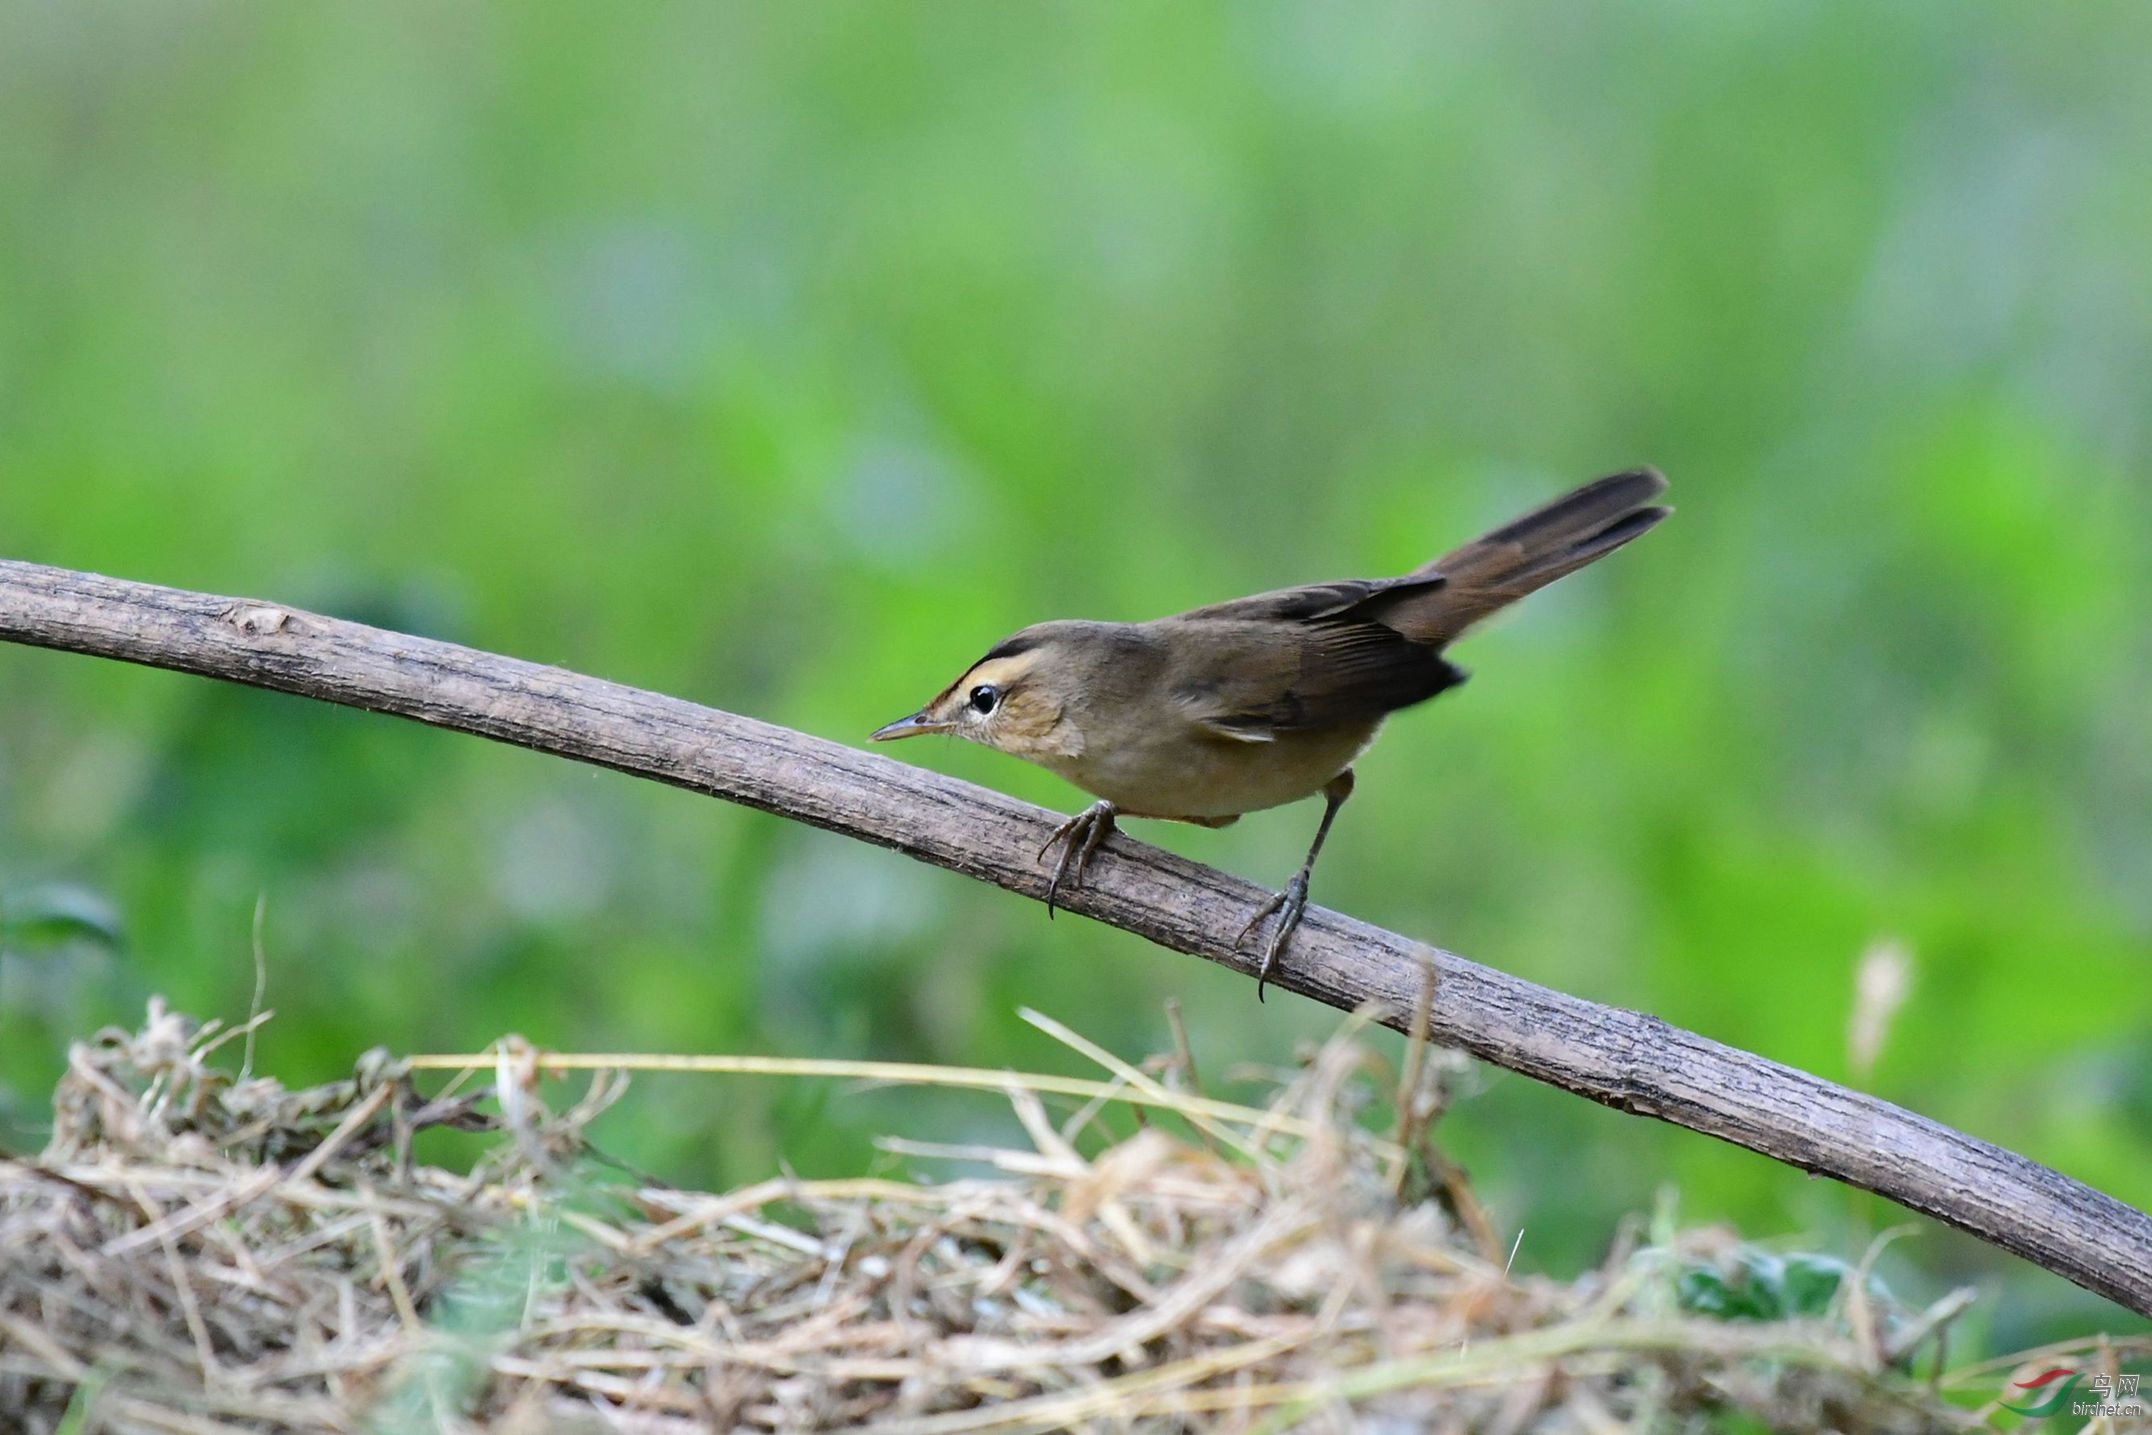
(1262, 701)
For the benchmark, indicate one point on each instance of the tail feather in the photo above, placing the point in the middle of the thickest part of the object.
(1528, 553)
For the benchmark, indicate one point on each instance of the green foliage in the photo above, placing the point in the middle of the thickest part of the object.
(42, 918)
(1758, 1285)
(785, 358)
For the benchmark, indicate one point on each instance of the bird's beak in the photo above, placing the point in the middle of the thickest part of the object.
(917, 725)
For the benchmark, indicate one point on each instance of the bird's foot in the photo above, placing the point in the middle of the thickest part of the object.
(1289, 905)
(1078, 838)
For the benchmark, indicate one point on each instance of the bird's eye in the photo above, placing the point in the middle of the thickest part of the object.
(984, 696)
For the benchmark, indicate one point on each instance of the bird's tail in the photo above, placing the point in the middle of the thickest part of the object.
(1498, 568)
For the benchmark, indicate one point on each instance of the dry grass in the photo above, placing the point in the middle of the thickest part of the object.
(199, 1251)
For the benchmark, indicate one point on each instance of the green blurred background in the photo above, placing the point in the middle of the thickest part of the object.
(784, 357)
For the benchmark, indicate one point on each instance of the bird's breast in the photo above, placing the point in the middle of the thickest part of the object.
(1185, 773)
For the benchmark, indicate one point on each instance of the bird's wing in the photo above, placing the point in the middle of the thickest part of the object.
(1254, 681)
(1339, 600)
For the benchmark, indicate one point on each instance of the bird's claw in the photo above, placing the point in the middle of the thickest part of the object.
(1290, 905)
(1078, 838)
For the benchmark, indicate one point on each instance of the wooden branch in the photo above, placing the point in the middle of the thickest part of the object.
(1625, 1059)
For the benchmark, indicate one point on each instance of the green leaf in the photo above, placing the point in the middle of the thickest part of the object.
(1757, 1285)
(1809, 1283)
(54, 914)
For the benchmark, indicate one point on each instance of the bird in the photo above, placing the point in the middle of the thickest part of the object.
(1241, 706)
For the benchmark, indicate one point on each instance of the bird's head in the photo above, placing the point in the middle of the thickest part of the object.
(1016, 699)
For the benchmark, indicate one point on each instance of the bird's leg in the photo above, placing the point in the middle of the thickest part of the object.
(1291, 903)
(1079, 838)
